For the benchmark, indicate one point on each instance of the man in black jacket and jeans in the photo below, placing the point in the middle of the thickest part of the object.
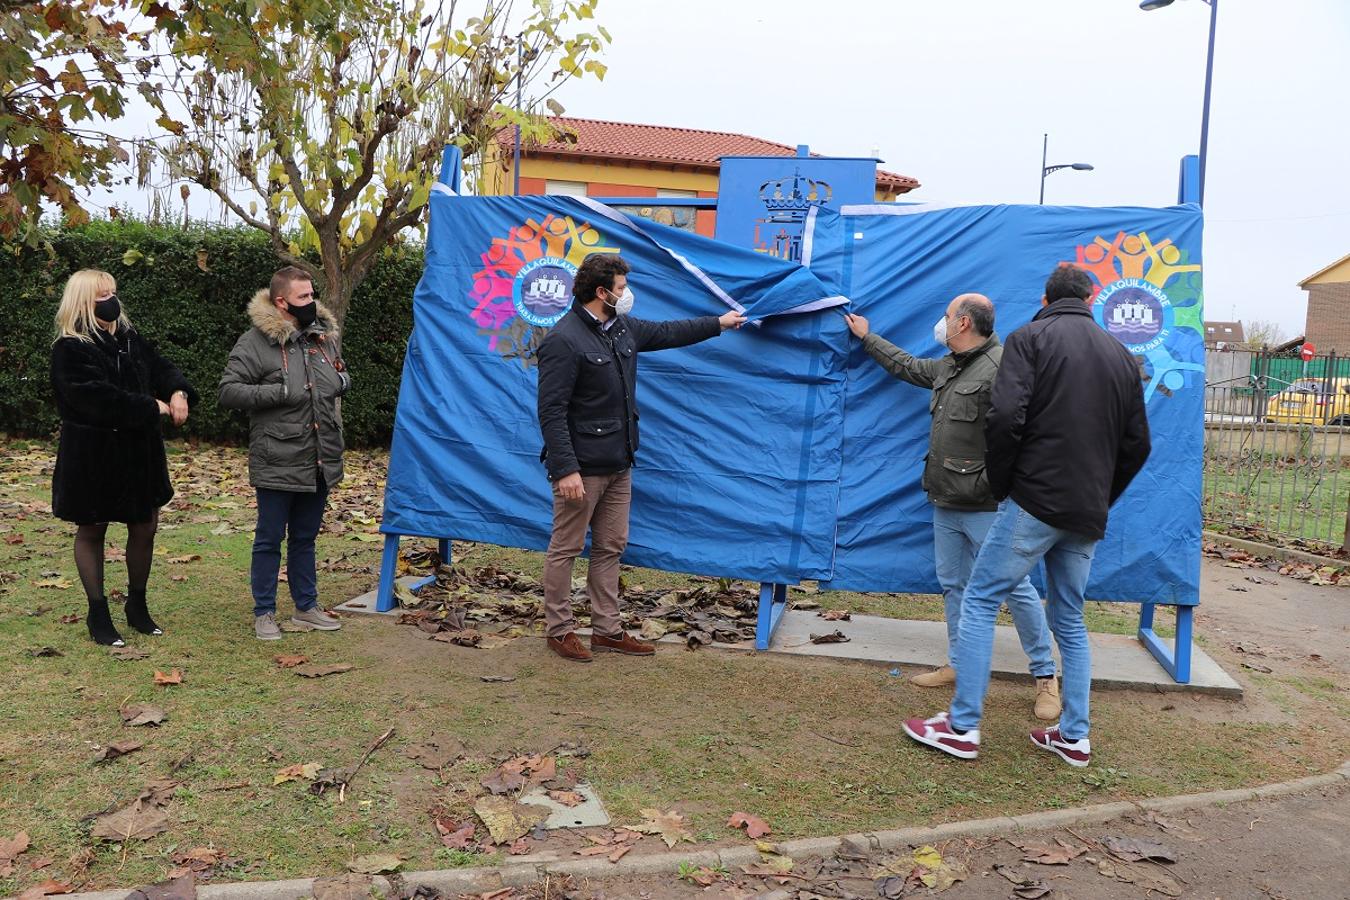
(589, 417)
(1066, 432)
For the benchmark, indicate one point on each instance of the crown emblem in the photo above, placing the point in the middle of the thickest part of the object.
(790, 198)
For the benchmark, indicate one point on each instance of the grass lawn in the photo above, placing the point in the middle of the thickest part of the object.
(811, 745)
(1278, 500)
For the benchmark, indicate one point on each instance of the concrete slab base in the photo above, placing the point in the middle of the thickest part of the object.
(588, 814)
(1118, 660)
(365, 603)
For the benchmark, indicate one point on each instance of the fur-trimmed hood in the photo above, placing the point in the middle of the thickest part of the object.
(277, 327)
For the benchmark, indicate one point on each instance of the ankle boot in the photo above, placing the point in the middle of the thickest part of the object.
(138, 616)
(100, 623)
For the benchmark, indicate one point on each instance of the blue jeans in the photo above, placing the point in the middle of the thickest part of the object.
(296, 516)
(957, 537)
(1016, 542)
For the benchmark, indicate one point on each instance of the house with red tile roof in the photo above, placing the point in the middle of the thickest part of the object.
(595, 158)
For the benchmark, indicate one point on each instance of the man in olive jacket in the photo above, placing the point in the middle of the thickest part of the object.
(287, 373)
(954, 475)
(589, 418)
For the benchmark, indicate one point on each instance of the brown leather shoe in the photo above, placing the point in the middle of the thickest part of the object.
(569, 647)
(624, 643)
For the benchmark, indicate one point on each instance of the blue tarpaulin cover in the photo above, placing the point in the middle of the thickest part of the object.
(781, 452)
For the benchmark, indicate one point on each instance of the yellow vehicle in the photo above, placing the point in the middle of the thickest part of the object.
(1311, 401)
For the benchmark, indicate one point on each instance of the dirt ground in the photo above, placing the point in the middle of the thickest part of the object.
(1287, 637)
(1293, 848)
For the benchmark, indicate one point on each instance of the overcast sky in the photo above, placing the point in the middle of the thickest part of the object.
(958, 93)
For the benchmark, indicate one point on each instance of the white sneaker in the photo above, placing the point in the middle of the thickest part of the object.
(1076, 753)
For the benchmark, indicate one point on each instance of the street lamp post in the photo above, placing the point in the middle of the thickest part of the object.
(1148, 5)
(1046, 170)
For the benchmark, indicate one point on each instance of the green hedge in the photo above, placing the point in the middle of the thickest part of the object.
(194, 315)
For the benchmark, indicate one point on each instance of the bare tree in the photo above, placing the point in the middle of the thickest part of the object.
(1261, 333)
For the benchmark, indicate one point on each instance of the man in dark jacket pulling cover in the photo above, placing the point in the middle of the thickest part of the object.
(1066, 433)
(589, 418)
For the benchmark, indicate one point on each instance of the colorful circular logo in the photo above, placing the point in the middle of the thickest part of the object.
(1136, 312)
(542, 291)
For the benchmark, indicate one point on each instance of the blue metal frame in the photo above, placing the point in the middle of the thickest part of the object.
(772, 605)
(384, 591)
(1177, 659)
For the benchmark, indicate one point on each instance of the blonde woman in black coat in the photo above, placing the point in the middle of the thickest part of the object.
(112, 388)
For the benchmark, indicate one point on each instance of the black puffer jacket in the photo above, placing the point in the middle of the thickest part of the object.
(110, 464)
(588, 383)
(1066, 429)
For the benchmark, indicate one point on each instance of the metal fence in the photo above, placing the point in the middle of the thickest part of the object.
(1277, 446)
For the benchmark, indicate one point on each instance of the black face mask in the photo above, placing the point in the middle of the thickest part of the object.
(108, 309)
(304, 315)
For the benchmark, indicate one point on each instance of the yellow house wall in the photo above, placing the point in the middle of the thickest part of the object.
(1337, 274)
(498, 179)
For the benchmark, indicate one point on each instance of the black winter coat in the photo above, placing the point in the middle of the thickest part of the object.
(588, 384)
(110, 464)
(1066, 429)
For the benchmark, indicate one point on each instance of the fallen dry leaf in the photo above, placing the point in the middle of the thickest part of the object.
(519, 847)
(139, 821)
(128, 653)
(619, 852)
(567, 798)
(1134, 849)
(520, 771)
(46, 889)
(754, 826)
(1061, 855)
(60, 584)
(167, 678)
(835, 615)
(670, 826)
(313, 671)
(456, 837)
(10, 848)
(70, 619)
(180, 560)
(291, 660)
(137, 714)
(1147, 879)
(506, 819)
(121, 748)
(181, 887)
(199, 859)
(834, 637)
(307, 771)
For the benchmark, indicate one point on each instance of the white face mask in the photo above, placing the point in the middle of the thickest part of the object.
(940, 332)
(624, 305)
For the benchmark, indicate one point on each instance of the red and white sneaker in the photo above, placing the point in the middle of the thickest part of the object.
(937, 733)
(1075, 753)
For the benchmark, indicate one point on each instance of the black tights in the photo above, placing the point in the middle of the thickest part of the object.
(89, 546)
